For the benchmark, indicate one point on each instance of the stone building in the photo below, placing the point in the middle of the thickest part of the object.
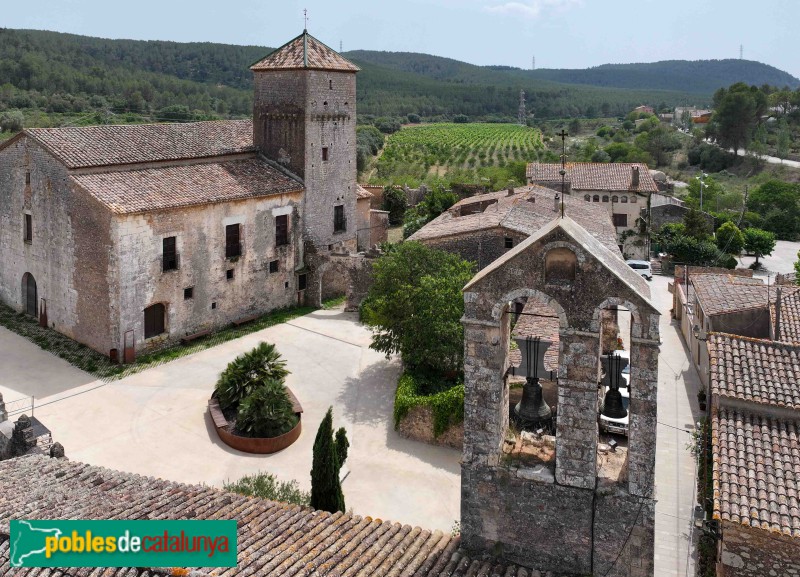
(484, 227)
(127, 237)
(755, 420)
(622, 188)
(576, 514)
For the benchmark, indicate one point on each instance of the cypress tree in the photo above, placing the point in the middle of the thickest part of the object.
(329, 455)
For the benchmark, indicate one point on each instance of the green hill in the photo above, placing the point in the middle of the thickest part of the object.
(48, 74)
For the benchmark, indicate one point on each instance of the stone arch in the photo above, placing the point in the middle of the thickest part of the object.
(636, 317)
(30, 297)
(498, 308)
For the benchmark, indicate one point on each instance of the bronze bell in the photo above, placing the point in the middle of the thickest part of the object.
(532, 408)
(612, 405)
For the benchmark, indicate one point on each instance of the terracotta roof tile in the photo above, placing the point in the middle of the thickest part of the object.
(723, 293)
(519, 214)
(789, 324)
(305, 51)
(760, 371)
(143, 190)
(274, 539)
(87, 146)
(756, 470)
(588, 176)
(362, 192)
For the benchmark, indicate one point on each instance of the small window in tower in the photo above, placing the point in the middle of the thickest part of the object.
(509, 242)
(28, 177)
(169, 260)
(324, 153)
(28, 228)
(229, 274)
(273, 266)
(188, 293)
(213, 305)
(339, 219)
(282, 230)
(330, 84)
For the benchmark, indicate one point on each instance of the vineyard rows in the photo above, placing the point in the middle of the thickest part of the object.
(458, 146)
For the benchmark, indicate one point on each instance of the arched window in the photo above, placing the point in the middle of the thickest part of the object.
(559, 266)
(29, 296)
(625, 199)
(605, 198)
(596, 198)
(615, 198)
(587, 198)
(154, 320)
(634, 198)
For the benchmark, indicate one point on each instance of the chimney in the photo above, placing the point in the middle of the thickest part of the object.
(510, 190)
(635, 177)
(556, 203)
(777, 327)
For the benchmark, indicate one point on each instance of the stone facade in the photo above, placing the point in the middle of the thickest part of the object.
(557, 519)
(748, 552)
(306, 121)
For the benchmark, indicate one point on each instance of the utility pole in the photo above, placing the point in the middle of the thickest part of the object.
(741, 51)
(522, 113)
(533, 63)
(563, 171)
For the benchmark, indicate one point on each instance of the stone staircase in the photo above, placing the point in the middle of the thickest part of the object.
(655, 266)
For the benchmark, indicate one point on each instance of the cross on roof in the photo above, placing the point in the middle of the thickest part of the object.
(305, 19)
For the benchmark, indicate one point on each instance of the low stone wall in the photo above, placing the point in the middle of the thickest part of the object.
(417, 425)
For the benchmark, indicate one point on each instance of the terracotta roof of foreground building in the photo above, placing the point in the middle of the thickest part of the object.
(789, 324)
(756, 470)
(723, 293)
(610, 176)
(274, 539)
(91, 146)
(305, 51)
(526, 211)
(759, 371)
(362, 192)
(133, 191)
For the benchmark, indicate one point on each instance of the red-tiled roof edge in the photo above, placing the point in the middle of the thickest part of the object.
(304, 33)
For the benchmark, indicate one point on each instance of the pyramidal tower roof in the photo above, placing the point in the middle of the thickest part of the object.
(305, 52)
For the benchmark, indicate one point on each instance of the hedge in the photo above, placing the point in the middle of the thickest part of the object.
(447, 405)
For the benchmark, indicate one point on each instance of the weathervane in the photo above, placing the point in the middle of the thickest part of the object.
(563, 171)
(305, 18)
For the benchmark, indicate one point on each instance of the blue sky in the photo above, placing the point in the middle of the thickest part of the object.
(560, 33)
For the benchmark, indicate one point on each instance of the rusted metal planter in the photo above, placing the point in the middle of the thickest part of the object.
(257, 445)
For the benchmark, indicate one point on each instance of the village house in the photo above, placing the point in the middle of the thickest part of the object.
(484, 227)
(624, 190)
(755, 422)
(125, 238)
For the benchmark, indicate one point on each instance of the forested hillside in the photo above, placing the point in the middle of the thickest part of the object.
(55, 74)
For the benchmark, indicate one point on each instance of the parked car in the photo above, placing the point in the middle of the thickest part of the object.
(642, 267)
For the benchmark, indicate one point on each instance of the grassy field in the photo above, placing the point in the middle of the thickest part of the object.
(431, 152)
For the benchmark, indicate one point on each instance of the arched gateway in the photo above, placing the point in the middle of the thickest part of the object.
(561, 516)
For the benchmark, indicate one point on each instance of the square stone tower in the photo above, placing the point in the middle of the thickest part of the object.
(304, 118)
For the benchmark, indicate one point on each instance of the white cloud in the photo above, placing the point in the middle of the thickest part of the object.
(530, 8)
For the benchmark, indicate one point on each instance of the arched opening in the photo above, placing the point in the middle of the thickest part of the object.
(587, 198)
(624, 199)
(596, 198)
(615, 198)
(605, 198)
(154, 320)
(29, 294)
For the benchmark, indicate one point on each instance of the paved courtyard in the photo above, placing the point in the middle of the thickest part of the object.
(155, 423)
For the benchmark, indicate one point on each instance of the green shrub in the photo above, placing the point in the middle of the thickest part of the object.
(394, 201)
(266, 412)
(447, 404)
(247, 372)
(266, 486)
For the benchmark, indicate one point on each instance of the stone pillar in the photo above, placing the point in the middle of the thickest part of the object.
(643, 416)
(22, 439)
(57, 451)
(576, 433)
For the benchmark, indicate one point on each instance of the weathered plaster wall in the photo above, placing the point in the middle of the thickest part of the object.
(70, 251)
(748, 552)
(200, 233)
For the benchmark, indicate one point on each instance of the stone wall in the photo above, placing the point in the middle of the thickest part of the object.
(69, 255)
(200, 238)
(749, 552)
(378, 227)
(417, 425)
(482, 247)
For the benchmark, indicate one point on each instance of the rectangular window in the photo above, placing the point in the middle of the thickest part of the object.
(509, 242)
(282, 230)
(273, 266)
(154, 320)
(302, 281)
(229, 274)
(620, 219)
(339, 221)
(233, 245)
(27, 177)
(188, 293)
(28, 228)
(169, 259)
(324, 153)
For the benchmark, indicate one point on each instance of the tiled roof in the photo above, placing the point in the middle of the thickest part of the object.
(760, 371)
(587, 176)
(723, 293)
(789, 325)
(305, 51)
(362, 192)
(519, 214)
(87, 146)
(756, 470)
(274, 539)
(143, 190)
